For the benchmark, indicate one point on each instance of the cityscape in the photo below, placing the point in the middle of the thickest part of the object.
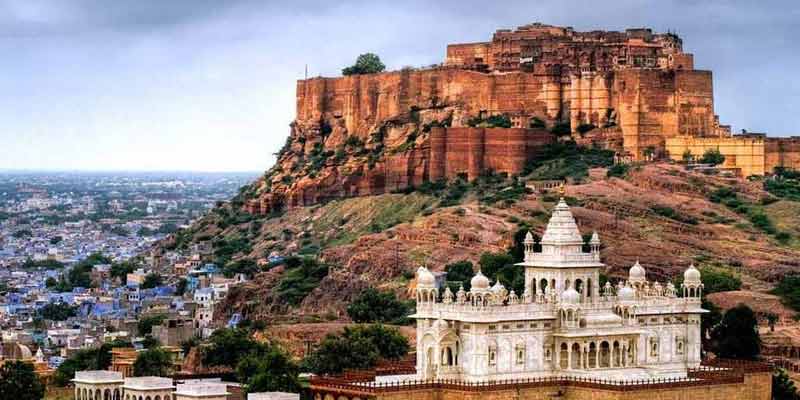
(201, 201)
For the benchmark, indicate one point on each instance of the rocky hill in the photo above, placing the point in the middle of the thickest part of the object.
(660, 214)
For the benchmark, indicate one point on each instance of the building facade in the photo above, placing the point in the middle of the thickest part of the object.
(564, 322)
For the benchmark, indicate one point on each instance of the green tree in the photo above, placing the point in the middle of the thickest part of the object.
(56, 311)
(782, 386)
(708, 321)
(180, 287)
(460, 271)
(152, 280)
(713, 157)
(228, 346)
(121, 270)
(50, 282)
(501, 266)
(271, 371)
(82, 360)
(687, 156)
(375, 306)
(736, 336)
(146, 324)
(357, 347)
(367, 63)
(19, 381)
(153, 362)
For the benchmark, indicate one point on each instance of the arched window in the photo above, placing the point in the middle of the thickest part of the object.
(605, 355)
(576, 356)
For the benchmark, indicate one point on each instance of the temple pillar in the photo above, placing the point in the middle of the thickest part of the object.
(569, 355)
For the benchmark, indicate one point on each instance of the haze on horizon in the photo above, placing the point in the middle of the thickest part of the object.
(209, 85)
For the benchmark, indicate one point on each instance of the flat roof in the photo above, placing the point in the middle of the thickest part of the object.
(148, 383)
(100, 376)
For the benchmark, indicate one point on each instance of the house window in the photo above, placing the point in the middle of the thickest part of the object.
(679, 346)
(548, 355)
(654, 347)
(520, 350)
(492, 355)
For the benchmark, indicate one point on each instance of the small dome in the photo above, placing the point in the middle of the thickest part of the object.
(498, 287)
(626, 293)
(425, 277)
(691, 275)
(570, 296)
(479, 281)
(636, 273)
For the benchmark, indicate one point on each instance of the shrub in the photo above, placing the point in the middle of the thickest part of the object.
(561, 129)
(567, 160)
(713, 157)
(537, 123)
(669, 212)
(618, 170)
(788, 289)
(297, 282)
(493, 121)
(583, 128)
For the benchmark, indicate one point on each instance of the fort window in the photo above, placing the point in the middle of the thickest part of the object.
(492, 355)
(520, 354)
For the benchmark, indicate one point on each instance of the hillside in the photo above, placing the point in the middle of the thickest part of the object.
(658, 213)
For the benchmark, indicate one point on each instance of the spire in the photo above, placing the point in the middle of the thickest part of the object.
(595, 238)
(562, 229)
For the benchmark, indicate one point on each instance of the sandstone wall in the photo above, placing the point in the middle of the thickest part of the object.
(471, 151)
(747, 154)
(782, 152)
(654, 105)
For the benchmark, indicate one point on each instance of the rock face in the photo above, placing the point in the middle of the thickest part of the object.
(371, 134)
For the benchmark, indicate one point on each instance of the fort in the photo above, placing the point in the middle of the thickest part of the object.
(636, 92)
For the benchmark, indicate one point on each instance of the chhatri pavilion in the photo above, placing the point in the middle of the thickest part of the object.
(564, 323)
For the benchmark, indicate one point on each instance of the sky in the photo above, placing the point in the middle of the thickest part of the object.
(209, 85)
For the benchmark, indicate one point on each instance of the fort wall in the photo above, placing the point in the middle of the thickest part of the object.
(782, 152)
(748, 155)
(650, 104)
(752, 155)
